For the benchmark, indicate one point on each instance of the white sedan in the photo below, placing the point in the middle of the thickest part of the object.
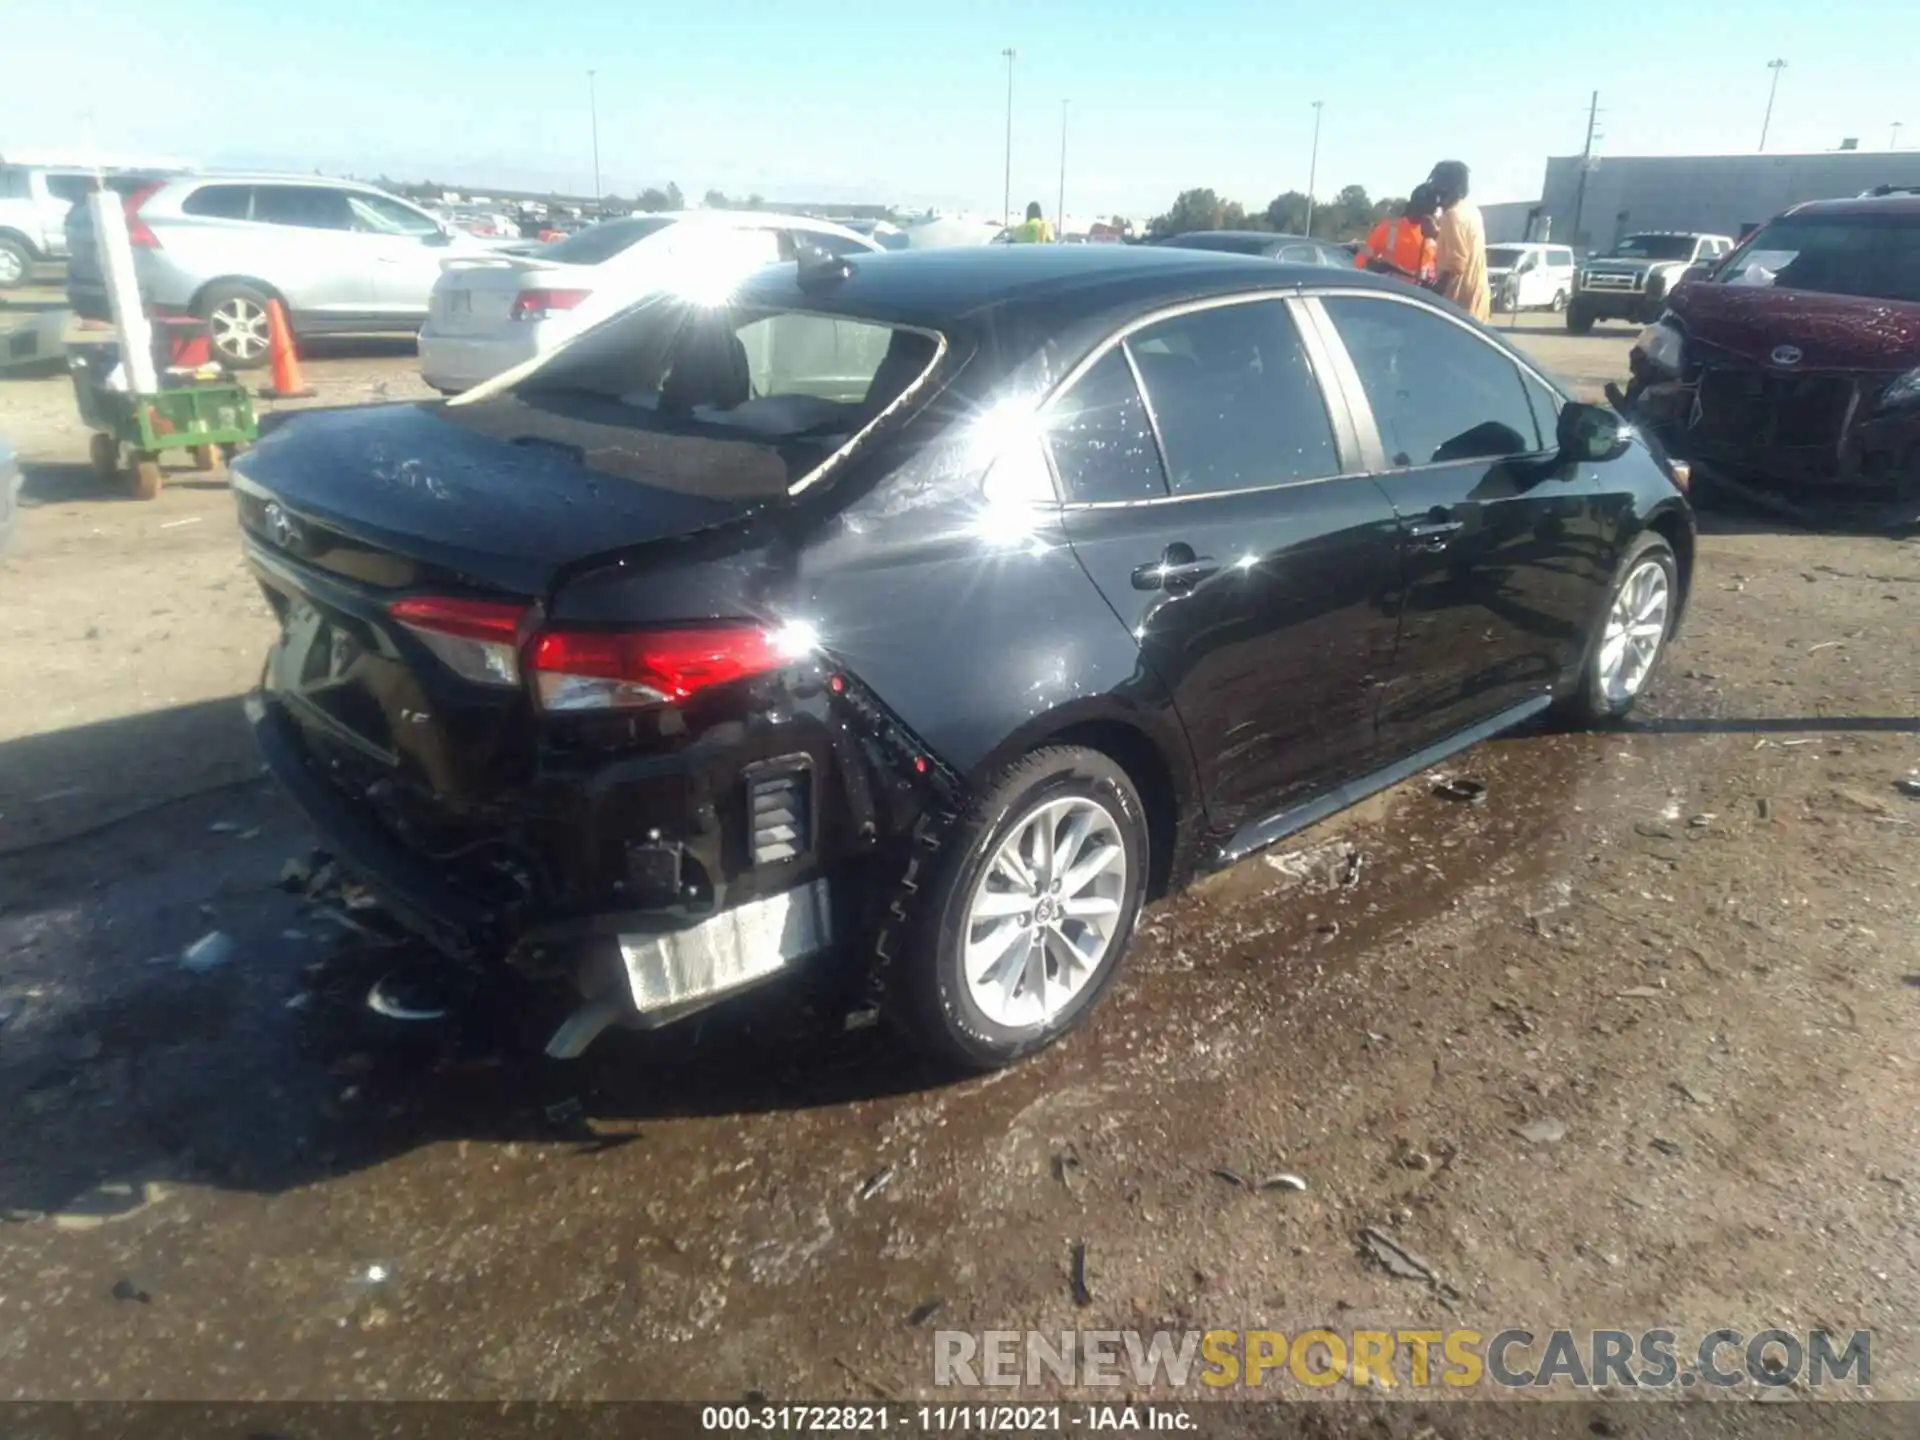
(490, 313)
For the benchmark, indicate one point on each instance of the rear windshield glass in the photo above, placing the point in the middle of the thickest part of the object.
(1655, 247)
(723, 400)
(1873, 256)
(603, 242)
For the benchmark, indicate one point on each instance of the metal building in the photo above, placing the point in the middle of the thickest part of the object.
(1717, 194)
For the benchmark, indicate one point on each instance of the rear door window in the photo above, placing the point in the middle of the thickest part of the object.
(220, 202)
(309, 207)
(1102, 440)
(1438, 392)
(1237, 402)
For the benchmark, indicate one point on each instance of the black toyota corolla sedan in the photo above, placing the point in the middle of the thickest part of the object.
(908, 619)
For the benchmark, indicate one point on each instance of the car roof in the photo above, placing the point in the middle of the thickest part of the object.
(1001, 284)
(1890, 204)
(1679, 234)
(266, 177)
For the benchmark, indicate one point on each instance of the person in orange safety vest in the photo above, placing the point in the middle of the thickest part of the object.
(1406, 247)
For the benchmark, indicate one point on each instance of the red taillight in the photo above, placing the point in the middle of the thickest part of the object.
(137, 230)
(540, 304)
(607, 670)
(478, 640)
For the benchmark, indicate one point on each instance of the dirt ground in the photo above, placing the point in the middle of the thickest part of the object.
(1690, 942)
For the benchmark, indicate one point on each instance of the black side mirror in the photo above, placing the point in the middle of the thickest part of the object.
(1590, 433)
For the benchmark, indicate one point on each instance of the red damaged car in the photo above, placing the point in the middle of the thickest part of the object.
(1789, 372)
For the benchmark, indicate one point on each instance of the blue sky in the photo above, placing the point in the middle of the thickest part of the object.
(906, 103)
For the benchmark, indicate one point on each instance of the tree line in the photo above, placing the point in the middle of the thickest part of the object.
(1349, 215)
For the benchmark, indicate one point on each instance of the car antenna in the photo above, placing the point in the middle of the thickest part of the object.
(819, 266)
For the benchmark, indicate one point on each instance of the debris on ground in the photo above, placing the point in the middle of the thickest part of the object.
(105, 1203)
(1232, 1177)
(1463, 789)
(1544, 1131)
(925, 1310)
(1066, 1165)
(127, 1288)
(876, 1182)
(1407, 1157)
(1861, 801)
(1077, 1275)
(223, 827)
(885, 1392)
(1908, 785)
(1283, 1181)
(209, 952)
(295, 875)
(1350, 876)
(1641, 992)
(1395, 1258)
(21, 1215)
(1691, 1095)
(1665, 1146)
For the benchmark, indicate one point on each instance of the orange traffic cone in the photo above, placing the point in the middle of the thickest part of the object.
(287, 381)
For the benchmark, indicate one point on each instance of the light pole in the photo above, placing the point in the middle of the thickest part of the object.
(1313, 164)
(1006, 191)
(593, 113)
(1776, 66)
(1060, 212)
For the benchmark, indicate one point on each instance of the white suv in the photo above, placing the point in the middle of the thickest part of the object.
(1530, 276)
(342, 257)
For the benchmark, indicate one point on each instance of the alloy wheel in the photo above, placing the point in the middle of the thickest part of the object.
(1044, 912)
(13, 269)
(1636, 629)
(239, 329)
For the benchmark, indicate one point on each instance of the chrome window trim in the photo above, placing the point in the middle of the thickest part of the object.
(1282, 295)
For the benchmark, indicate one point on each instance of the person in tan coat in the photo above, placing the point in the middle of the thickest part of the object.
(1462, 259)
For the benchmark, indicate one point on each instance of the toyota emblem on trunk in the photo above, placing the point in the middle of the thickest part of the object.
(1786, 354)
(280, 527)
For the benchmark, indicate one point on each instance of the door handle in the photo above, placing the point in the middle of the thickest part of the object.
(1433, 534)
(1177, 569)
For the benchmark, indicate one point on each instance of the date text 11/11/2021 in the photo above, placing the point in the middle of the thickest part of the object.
(942, 1419)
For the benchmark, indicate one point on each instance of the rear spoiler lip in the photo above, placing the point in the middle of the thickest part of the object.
(512, 261)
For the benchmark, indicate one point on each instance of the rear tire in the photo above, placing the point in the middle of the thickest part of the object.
(1579, 319)
(1615, 671)
(979, 1007)
(143, 475)
(1559, 301)
(16, 262)
(237, 329)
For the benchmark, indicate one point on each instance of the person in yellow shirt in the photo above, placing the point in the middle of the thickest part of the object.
(1034, 230)
(1462, 259)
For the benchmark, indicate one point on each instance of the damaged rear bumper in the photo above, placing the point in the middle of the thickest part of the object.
(663, 962)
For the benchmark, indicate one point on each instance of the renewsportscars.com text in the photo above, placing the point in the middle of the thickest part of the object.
(1453, 1358)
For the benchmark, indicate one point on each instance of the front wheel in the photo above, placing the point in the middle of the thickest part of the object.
(1027, 924)
(237, 326)
(1633, 633)
(1579, 319)
(1559, 301)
